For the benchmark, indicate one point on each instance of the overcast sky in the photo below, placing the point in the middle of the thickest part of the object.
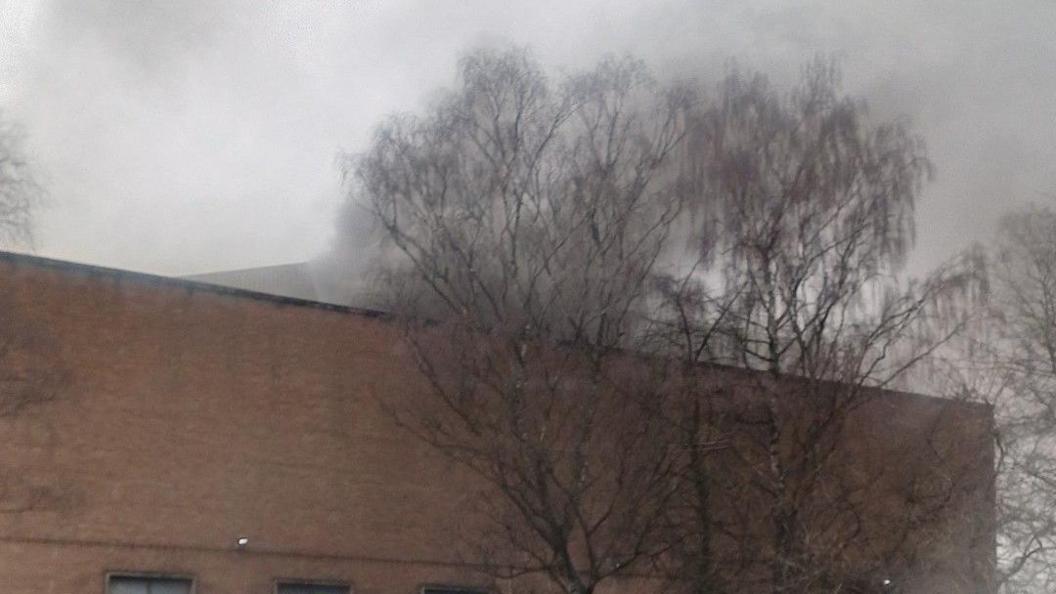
(182, 137)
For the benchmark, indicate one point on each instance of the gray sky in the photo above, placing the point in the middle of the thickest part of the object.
(182, 137)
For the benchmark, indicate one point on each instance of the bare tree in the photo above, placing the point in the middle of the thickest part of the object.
(19, 191)
(1009, 361)
(571, 257)
(30, 375)
(527, 218)
(805, 214)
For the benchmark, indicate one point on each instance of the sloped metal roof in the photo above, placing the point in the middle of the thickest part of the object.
(287, 280)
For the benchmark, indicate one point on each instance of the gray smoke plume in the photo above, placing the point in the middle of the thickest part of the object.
(196, 136)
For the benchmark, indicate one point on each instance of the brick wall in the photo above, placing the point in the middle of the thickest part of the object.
(188, 416)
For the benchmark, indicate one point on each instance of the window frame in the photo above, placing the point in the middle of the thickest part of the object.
(148, 575)
(327, 583)
(463, 589)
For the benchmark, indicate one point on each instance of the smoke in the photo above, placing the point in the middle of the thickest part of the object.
(194, 136)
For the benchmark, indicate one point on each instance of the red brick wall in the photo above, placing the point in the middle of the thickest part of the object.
(192, 416)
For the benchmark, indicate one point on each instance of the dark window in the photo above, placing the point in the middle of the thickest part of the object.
(450, 590)
(307, 588)
(130, 584)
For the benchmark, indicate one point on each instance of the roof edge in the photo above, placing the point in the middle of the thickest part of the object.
(238, 270)
(181, 283)
(190, 285)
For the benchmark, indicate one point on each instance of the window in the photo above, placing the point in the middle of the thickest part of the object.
(451, 590)
(310, 588)
(134, 584)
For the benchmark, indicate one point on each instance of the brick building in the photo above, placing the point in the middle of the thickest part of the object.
(163, 435)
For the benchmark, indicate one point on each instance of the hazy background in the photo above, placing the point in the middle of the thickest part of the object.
(182, 137)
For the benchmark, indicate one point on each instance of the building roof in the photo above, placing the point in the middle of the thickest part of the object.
(180, 283)
(329, 279)
(288, 280)
(275, 275)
